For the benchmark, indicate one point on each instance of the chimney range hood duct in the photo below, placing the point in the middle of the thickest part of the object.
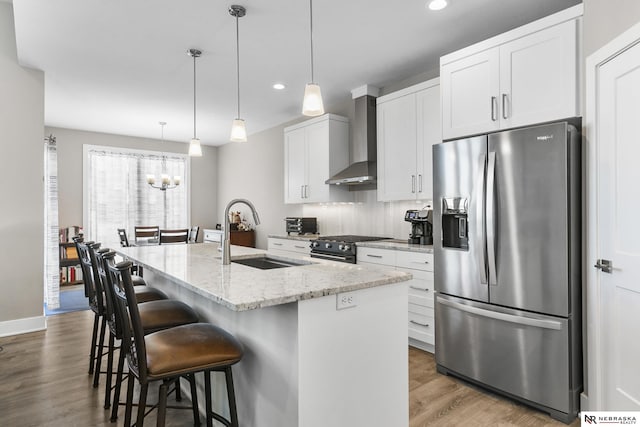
(363, 169)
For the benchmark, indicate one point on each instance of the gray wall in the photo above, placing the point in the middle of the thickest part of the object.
(22, 213)
(203, 173)
(605, 19)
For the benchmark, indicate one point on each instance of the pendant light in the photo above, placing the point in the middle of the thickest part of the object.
(238, 130)
(195, 150)
(312, 103)
(165, 179)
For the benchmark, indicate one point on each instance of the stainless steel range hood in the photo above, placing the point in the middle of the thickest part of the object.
(362, 170)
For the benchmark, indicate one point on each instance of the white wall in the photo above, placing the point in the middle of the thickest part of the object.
(22, 164)
(203, 173)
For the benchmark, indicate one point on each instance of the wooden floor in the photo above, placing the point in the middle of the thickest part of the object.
(44, 382)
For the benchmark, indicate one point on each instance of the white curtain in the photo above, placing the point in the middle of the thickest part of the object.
(51, 247)
(118, 195)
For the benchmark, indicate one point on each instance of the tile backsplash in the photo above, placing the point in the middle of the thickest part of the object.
(365, 216)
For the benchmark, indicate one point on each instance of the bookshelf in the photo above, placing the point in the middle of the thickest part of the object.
(70, 269)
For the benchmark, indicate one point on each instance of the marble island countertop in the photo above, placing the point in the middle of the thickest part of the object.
(239, 287)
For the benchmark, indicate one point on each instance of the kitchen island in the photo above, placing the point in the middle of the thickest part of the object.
(325, 342)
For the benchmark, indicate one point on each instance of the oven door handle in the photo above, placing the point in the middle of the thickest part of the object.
(331, 257)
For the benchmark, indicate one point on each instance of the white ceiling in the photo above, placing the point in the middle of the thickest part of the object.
(120, 66)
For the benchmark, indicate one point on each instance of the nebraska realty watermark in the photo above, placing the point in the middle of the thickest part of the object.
(609, 418)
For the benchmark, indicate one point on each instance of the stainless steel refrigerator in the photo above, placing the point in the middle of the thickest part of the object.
(507, 251)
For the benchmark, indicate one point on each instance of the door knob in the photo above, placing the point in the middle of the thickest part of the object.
(604, 265)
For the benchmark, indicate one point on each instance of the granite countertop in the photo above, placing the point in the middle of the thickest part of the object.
(199, 268)
(294, 236)
(396, 244)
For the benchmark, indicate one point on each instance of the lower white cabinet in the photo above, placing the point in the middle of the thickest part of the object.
(212, 236)
(288, 247)
(421, 325)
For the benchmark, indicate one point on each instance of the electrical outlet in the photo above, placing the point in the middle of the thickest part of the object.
(345, 300)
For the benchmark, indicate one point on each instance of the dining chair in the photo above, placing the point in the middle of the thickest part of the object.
(124, 240)
(193, 234)
(146, 233)
(180, 235)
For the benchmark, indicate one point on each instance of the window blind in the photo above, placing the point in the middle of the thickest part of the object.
(118, 196)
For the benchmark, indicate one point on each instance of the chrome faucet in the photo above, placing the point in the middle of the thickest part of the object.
(226, 245)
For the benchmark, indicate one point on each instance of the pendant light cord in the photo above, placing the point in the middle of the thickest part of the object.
(311, 33)
(238, 62)
(194, 96)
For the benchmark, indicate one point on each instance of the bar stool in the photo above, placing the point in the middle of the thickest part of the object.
(154, 315)
(94, 291)
(166, 355)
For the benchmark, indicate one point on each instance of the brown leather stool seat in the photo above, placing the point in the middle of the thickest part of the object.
(167, 355)
(189, 348)
(162, 314)
(146, 293)
(137, 280)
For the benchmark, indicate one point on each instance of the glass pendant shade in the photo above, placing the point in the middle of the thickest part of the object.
(238, 131)
(312, 103)
(195, 150)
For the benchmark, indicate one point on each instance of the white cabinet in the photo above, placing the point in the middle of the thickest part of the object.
(314, 150)
(288, 247)
(408, 124)
(526, 76)
(420, 305)
(214, 236)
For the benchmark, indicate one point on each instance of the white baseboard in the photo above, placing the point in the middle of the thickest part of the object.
(22, 326)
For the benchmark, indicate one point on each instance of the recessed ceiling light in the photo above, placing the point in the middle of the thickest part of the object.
(278, 86)
(437, 4)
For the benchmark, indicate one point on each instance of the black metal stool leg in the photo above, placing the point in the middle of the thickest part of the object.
(94, 338)
(142, 404)
(162, 405)
(127, 412)
(231, 395)
(96, 374)
(107, 393)
(207, 398)
(116, 392)
(194, 400)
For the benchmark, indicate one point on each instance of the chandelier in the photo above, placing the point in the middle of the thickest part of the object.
(165, 180)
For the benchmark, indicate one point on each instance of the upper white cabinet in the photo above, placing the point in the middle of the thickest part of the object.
(314, 150)
(408, 124)
(526, 76)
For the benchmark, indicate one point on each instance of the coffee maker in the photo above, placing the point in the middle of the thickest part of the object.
(421, 226)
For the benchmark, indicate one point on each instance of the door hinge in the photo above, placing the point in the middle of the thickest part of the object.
(605, 265)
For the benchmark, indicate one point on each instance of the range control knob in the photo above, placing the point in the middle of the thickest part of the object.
(341, 247)
(346, 248)
(314, 245)
(327, 245)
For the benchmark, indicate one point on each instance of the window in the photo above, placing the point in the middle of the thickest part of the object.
(116, 193)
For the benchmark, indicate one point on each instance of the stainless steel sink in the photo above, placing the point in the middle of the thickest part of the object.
(265, 262)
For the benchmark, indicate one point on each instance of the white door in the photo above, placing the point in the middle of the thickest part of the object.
(396, 120)
(617, 239)
(470, 94)
(538, 77)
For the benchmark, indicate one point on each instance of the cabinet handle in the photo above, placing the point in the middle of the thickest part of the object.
(374, 256)
(277, 244)
(299, 247)
(302, 191)
(426, 325)
(306, 191)
(418, 288)
(504, 106)
(494, 102)
(413, 183)
(420, 183)
(420, 262)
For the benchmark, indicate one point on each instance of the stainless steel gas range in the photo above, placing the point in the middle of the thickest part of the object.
(339, 248)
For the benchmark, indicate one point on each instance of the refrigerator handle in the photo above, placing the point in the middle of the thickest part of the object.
(481, 237)
(491, 218)
(505, 317)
